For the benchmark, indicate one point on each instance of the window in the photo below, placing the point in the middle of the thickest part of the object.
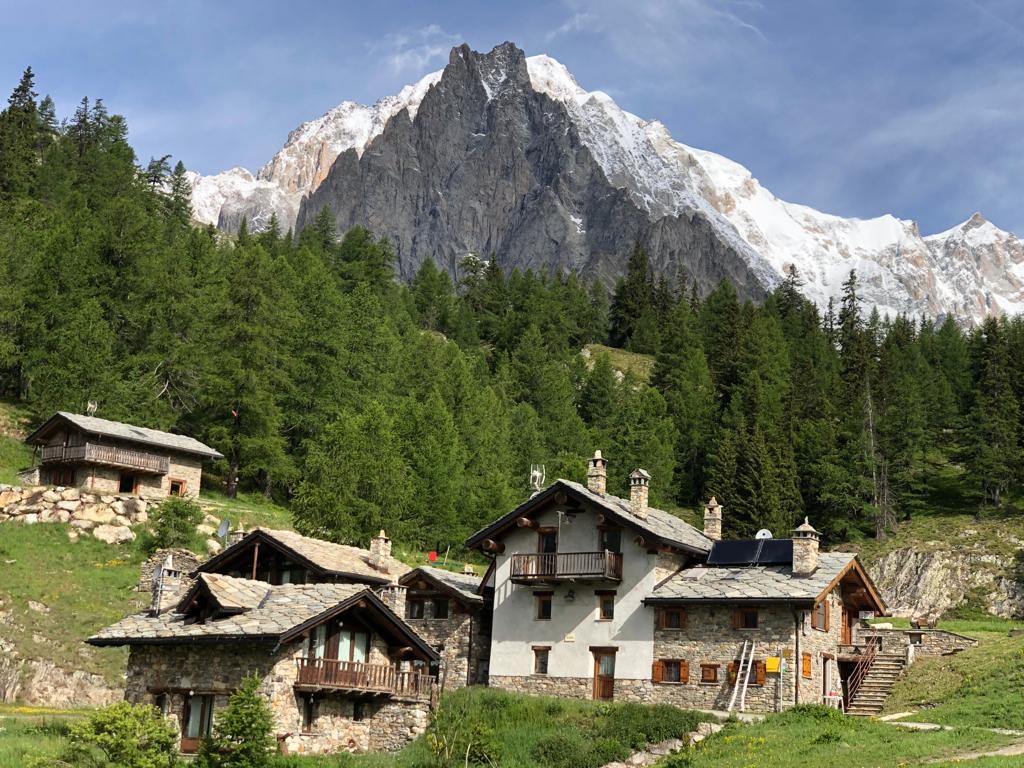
(671, 618)
(916, 638)
(820, 617)
(542, 602)
(359, 710)
(671, 671)
(414, 609)
(756, 676)
(745, 618)
(176, 488)
(162, 701)
(441, 608)
(308, 713)
(709, 673)
(540, 659)
(806, 665)
(198, 717)
(127, 484)
(605, 605)
(611, 539)
(317, 643)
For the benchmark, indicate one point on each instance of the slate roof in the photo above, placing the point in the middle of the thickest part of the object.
(758, 583)
(662, 525)
(465, 585)
(143, 435)
(234, 594)
(280, 609)
(335, 558)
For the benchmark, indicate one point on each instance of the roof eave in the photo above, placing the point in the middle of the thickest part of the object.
(101, 642)
(729, 600)
(447, 588)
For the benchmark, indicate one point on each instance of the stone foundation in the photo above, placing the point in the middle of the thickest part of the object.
(107, 517)
(546, 685)
(926, 642)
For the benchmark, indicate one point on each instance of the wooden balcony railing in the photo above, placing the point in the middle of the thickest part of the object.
(108, 455)
(359, 676)
(557, 566)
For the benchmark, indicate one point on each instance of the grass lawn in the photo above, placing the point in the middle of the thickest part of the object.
(622, 360)
(28, 732)
(820, 737)
(982, 686)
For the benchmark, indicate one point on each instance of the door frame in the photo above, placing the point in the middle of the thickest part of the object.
(600, 652)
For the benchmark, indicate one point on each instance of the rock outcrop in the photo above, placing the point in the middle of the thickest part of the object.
(916, 583)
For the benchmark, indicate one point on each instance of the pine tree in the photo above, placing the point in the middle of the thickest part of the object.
(632, 296)
(243, 732)
(20, 127)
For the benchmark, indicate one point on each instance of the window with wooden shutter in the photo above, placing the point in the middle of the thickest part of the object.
(760, 672)
(657, 672)
(820, 616)
(733, 670)
(806, 665)
(684, 671)
(709, 673)
(671, 618)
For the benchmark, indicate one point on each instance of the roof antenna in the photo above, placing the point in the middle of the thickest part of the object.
(537, 476)
(90, 409)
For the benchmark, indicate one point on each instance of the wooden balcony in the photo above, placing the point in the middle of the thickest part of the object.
(552, 567)
(361, 678)
(106, 455)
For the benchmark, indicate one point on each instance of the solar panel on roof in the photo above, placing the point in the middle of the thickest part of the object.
(775, 552)
(742, 552)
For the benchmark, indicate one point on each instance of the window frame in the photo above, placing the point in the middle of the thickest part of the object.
(542, 657)
(741, 614)
(681, 669)
(602, 596)
(820, 619)
(542, 534)
(714, 669)
(540, 599)
(602, 536)
(435, 602)
(181, 487)
(664, 613)
(308, 713)
(422, 606)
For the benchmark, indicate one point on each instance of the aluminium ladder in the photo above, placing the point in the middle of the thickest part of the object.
(743, 676)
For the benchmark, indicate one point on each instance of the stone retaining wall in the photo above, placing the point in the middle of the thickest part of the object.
(107, 517)
(926, 642)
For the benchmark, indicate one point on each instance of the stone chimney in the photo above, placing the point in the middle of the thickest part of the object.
(380, 552)
(393, 596)
(713, 520)
(167, 582)
(237, 534)
(805, 549)
(597, 474)
(639, 486)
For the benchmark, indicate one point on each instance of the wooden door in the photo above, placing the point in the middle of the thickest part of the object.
(604, 675)
(849, 621)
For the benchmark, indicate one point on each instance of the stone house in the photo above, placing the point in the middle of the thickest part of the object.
(601, 597)
(109, 457)
(340, 670)
(452, 612)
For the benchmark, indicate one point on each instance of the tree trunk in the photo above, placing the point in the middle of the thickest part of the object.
(231, 481)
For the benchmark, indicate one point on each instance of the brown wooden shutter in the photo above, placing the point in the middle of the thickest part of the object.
(826, 614)
(661, 618)
(733, 668)
(760, 671)
(684, 671)
(806, 665)
(737, 618)
(682, 618)
(657, 672)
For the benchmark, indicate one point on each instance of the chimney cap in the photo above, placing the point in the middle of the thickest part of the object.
(713, 503)
(382, 535)
(597, 454)
(640, 474)
(805, 530)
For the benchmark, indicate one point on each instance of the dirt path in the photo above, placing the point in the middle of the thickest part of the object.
(1009, 750)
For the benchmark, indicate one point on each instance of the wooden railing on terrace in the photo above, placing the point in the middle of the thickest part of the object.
(109, 455)
(359, 676)
(553, 566)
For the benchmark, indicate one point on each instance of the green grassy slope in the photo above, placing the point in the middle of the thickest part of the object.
(625, 361)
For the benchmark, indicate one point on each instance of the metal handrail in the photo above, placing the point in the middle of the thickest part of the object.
(860, 670)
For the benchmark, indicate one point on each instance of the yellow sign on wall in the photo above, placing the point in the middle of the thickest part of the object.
(772, 663)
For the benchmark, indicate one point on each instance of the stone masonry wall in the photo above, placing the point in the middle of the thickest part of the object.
(546, 685)
(926, 642)
(107, 517)
(819, 644)
(220, 669)
(451, 637)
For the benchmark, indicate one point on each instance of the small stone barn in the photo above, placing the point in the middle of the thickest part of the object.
(109, 457)
(340, 670)
(452, 612)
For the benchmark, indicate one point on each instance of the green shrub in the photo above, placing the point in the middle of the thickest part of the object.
(605, 750)
(243, 732)
(637, 725)
(174, 523)
(561, 749)
(123, 735)
(460, 734)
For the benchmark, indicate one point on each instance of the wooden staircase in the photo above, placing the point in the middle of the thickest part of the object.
(877, 681)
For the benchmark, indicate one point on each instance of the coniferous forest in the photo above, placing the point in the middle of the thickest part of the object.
(419, 408)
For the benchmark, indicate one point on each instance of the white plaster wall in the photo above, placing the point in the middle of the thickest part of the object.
(516, 630)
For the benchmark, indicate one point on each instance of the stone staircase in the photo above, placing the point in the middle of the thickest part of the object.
(883, 673)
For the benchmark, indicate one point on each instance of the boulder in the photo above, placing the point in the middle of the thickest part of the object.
(30, 519)
(63, 515)
(9, 496)
(117, 506)
(206, 530)
(141, 517)
(113, 534)
(71, 494)
(107, 499)
(211, 520)
(133, 506)
(88, 498)
(213, 546)
(69, 505)
(50, 495)
(96, 514)
(84, 525)
(72, 535)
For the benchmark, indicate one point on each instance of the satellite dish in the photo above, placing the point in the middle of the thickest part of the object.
(764, 533)
(223, 528)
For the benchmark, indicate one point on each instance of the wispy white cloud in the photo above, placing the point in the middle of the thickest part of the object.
(581, 21)
(415, 51)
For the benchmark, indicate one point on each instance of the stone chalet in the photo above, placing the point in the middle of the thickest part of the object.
(601, 597)
(320, 623)
(113, 458)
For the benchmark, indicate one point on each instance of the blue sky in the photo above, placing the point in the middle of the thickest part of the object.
(856, 107)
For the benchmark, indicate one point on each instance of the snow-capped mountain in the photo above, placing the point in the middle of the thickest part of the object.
(701, 215)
